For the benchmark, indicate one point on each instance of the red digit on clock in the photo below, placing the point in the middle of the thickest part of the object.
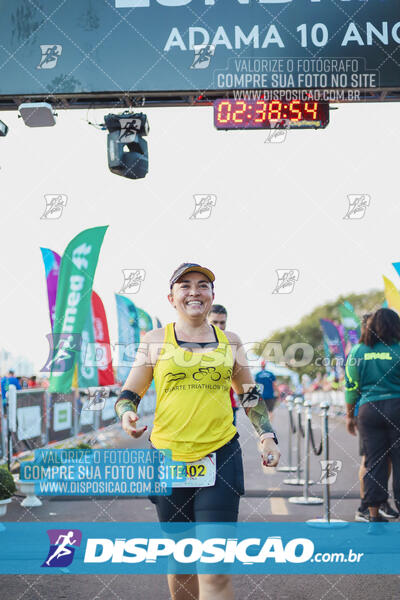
(275, 110)
(227, 106)
(239, 111)
(311, 107)
(294, 110)
(262, 111)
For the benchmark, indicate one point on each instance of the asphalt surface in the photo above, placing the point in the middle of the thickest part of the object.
(267, 498)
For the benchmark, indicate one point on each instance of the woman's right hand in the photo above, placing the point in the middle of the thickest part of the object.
(128, 424)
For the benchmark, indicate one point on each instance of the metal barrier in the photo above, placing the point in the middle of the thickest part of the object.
(36, 418)
(297, 480)
(292, 430)
(30, 430)
(307, 434)
(334, 398)
(62, 422)
(324, 406)
(308, 439)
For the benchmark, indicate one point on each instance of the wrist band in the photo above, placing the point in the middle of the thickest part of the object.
(127, 400)
(269, 434)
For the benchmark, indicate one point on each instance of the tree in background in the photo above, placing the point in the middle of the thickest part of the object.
(308, 330)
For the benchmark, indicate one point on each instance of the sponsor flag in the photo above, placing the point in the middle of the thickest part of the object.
(145, 321)
(128, 335)
(51, 266)
(102, 339)
(392, 295)
(327, 355)
(75, 281)
(87, 368)
(350, 322)
(333, 338)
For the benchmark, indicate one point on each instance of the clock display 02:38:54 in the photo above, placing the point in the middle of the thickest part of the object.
(258, 114)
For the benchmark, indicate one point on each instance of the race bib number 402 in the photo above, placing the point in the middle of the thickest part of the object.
(200, 473)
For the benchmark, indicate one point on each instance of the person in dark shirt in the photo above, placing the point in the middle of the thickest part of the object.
(362, 513)
(218, 316)
(269, 390)
(373, 382)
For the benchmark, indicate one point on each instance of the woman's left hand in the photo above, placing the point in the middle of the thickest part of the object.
(270, 453)
(351, 425)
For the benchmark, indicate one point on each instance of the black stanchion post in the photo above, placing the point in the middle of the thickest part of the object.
(326, 488)
(326, 519)
(300, 433)
(292, 430)
(306, 499)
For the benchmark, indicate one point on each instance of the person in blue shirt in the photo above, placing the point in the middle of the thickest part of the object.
(6, 381)
(269, 391)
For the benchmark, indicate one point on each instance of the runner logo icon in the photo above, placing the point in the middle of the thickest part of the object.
(132, 280)
(50, 56)
(357, 206)
(329, 470)
(203, 205)
(96, 398)
(286, 281)
(55, 204)
(63, 348)
(202, 56)
(278, 132)
(62, 547)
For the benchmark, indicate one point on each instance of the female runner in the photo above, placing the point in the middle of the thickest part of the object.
(194, 365)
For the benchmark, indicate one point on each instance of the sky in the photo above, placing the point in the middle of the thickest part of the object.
(278, 206)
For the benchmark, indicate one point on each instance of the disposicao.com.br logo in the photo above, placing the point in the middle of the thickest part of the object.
(248, 551)
(190, 550)
(241, 548)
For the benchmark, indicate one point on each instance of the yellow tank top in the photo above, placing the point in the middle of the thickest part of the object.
(193, 415)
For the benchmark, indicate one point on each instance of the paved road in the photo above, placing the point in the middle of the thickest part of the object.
(267, 498)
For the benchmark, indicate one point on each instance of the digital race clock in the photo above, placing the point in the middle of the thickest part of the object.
(262, 114)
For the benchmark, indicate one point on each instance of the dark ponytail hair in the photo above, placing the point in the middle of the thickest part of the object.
(382, 326)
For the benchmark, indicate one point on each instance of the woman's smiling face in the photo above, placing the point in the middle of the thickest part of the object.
(192, 295)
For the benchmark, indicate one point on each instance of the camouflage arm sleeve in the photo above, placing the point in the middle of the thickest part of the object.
(126, 401)
(256, 409)
(259, 418)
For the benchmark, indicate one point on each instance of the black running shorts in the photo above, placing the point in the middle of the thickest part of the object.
(217, 503)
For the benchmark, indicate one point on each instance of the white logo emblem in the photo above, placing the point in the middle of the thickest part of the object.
(96, 398)
(278, 132)
(50, 56)
(286, 281)
(202, 56)
(357, 206)
(130, 127)
(132, 280)
(55, 203)
(330, 470)
(203, 205)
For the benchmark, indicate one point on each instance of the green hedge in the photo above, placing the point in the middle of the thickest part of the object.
(7, 484)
